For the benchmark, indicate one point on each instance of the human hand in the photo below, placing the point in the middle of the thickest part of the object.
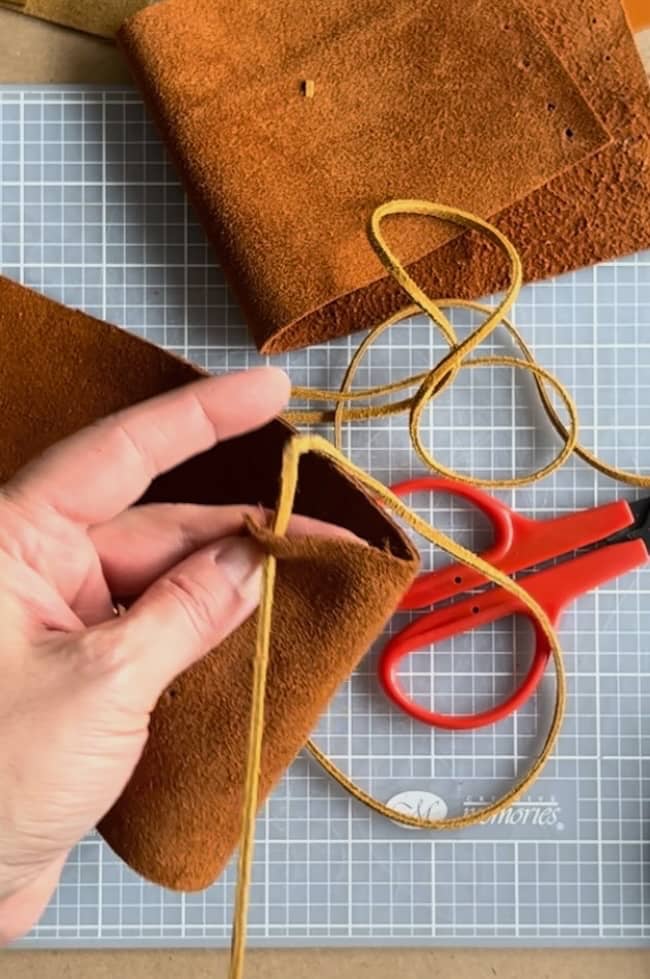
(79, 684)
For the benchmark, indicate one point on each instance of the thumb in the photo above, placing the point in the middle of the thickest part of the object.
(191, 609)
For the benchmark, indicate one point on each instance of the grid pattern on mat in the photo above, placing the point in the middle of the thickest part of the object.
(91, 214)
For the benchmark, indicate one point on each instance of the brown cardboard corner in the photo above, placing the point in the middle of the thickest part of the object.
(36, 52)
(101, 17)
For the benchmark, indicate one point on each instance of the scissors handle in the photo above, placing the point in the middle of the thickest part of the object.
(519, 542)
(553, 589)
(436, 586)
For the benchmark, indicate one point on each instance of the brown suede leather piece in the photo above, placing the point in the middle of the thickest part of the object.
(598, 210)
(178, 820)
(413, 98)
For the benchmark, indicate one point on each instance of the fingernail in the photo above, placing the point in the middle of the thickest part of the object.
(240, 559)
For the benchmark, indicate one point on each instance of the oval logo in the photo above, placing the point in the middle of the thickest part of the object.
(422, 805)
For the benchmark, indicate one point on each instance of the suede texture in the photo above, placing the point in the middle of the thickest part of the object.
(596, 211)
(440, 100)
(178, 820)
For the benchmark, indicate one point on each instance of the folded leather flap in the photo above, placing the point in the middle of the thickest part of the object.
(179, 818)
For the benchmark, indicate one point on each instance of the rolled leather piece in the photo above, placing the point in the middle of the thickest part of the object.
(289, 123)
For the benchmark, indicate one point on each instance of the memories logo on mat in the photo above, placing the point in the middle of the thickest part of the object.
(541, 812)
(528, 818)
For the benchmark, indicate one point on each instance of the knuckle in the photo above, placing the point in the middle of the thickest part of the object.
(124, 437)
(196, 601)
(100, 652)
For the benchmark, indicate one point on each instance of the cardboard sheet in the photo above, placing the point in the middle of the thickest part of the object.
(102, 17)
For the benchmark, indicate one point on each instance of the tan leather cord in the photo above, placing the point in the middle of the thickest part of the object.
(428, 385)
(295, 448)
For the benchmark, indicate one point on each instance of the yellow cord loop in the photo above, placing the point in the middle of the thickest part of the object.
(427, 385)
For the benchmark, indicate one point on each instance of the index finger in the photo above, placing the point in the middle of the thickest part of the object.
(101, 470)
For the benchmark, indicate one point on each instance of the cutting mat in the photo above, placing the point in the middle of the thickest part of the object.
(91, 214)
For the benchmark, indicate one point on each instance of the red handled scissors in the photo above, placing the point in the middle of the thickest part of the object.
(617, 535)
